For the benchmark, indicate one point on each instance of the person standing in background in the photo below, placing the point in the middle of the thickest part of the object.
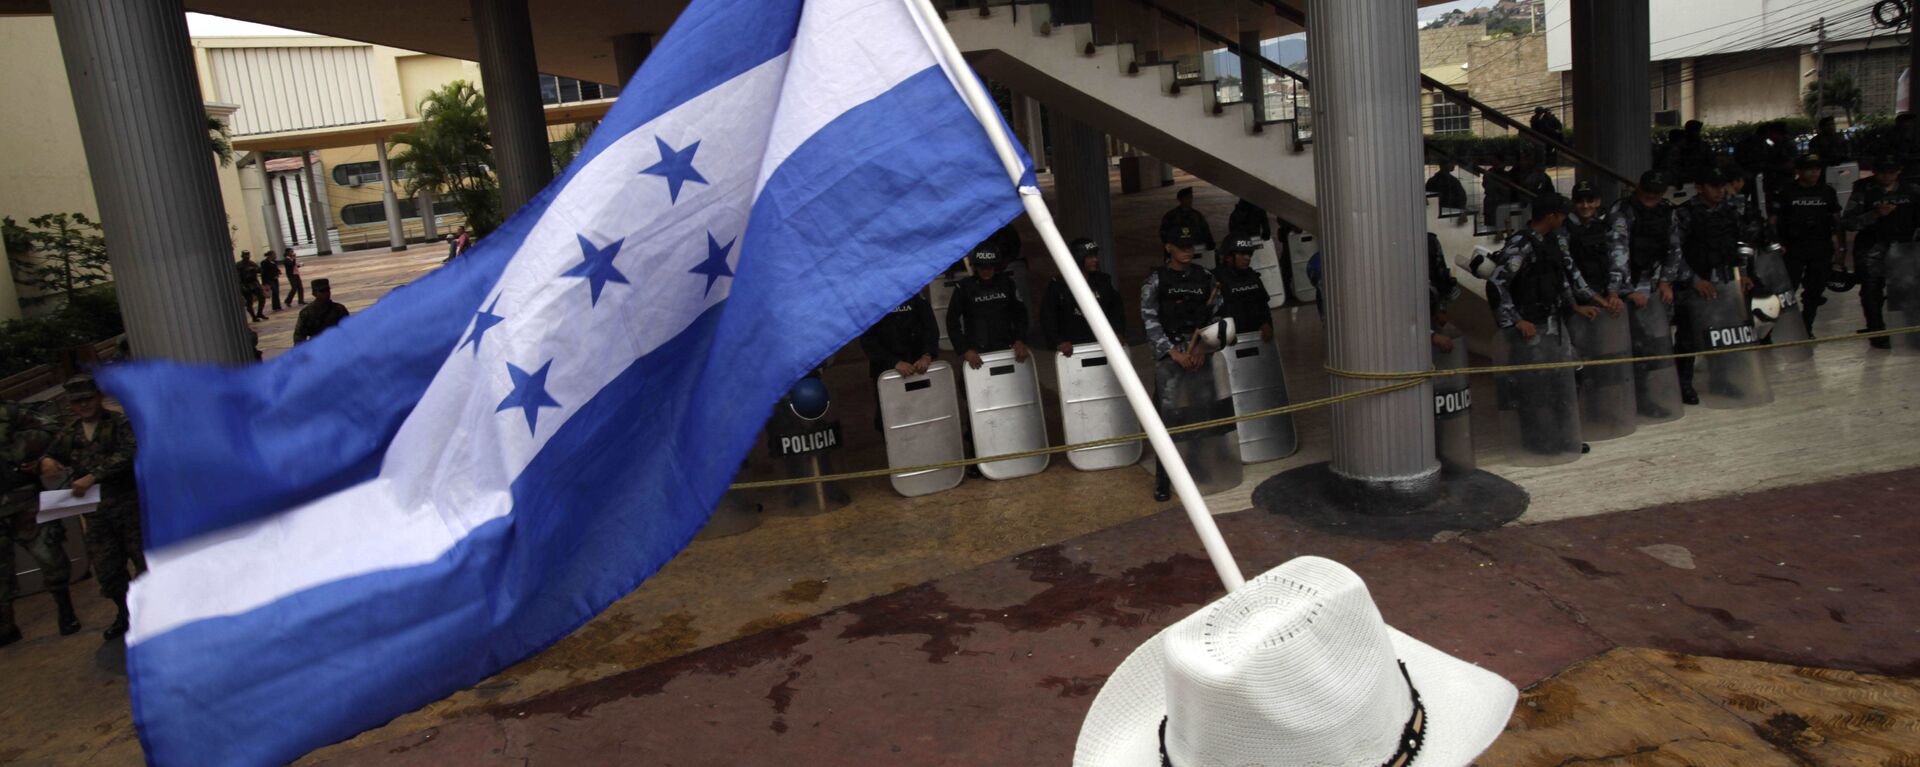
(290, 265)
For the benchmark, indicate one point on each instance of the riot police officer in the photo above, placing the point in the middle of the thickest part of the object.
(1184, 221)
(1806, 216)
(1640, 237)
(1177, 300)
(906, 340)
(1707, 232)
(1534, 286)
(985, 313)
(1587, 231)
(1062, 324)
(1244, 294)
(1882, 210)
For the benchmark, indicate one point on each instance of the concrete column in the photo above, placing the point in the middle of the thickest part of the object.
(1687, 109)
(396, 236)
(319, 220)
(269, 212)
(429, 222)
(1030, 129)
(520, 155)
(629, 52)
(1252, 76)
(1367, 165)
(1613, 115)
(1083, 194)
(144, 128)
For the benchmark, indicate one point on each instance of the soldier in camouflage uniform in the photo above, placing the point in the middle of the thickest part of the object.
(97, 448)
(23, 436)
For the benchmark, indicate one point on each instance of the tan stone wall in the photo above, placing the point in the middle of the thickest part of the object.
(42, 167)
(1448, 45)
(1747, 87)
(1510, 74)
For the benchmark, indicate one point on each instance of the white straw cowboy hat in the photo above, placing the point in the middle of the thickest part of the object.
(1295, 668)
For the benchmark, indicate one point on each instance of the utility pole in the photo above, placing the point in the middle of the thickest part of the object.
(1819, 68)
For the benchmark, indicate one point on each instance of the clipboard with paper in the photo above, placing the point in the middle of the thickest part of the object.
(62, 503)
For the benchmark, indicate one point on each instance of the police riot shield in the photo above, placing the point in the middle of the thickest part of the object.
(1903, 294)
(1259, 382)
(1212, 455)
(1092, 407)
(1725, 381)
(1539, 409)
(1656, 384)
(1770, 272)
(1003, 404)
(1266, 263)
(940, 295)
(921, 416)
(1453, 407)
(1300, 251)
(1607, 407)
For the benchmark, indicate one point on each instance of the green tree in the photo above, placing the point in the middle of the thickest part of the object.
(1836, 92)
(451, 153)
(61, 254)
(220, 141)
(569, 145)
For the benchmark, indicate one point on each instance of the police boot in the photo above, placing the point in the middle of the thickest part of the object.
(63, 602)
(9, 633)
(119, 627)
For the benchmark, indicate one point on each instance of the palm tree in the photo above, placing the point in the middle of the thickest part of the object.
(451, 153)
(220, 140)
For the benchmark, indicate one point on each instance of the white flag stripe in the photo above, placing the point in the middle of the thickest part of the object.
(450, 467)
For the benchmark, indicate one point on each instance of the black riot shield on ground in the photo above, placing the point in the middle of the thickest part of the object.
(1539, 410)
(1903, 294)
(1770, 272)
(1185, 397)
(1259, 382)
(1725, 381)
(921, 415)
(1656, 384)
(1607, 405)
(1453, 408)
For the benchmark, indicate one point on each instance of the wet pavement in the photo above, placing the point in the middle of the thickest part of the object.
(997, 665)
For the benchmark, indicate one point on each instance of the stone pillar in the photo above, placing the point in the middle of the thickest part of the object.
(507, 70)
(269, 212)
(629, 52)
(1367, 163)
(1253, 77)
(319, 219)
(1083, 194)
(1030, 129)
(396, 235)
(1613, 115)
(144, 128)
(429, 221)
(1688, 111)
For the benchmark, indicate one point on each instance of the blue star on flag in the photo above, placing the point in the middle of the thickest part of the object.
(529, 393)
(676, 166)
(715, 266)
(597, 266)
(483, 321)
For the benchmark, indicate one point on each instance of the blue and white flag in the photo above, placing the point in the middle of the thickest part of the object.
(459, 476)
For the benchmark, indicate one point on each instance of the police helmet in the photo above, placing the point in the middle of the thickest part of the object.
(1842, 280)
(1083, 247)
(984, 254)
(1480, 264)
(1584, 191)
(1243, 244)
(1185, 241)
(1548, 204)
(1807, 161)
(1216, 336)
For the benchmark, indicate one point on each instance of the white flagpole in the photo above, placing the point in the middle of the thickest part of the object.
(989, 116)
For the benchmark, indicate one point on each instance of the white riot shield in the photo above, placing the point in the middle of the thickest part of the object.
(1003, 404)
(1092, 406)
(1903, 294)
(1266, 263)
(1725, 381)
(940, 294)
(1539, 410)
(1607, 407)
(1770, 270)
(921, 415)
(1656, 384)
(1453, 408)
(1259, 382)
(1301, 246)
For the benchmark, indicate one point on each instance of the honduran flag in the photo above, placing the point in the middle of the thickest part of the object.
(460, 475)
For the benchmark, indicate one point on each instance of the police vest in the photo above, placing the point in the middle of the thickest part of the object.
(1246, 298)
(1896, 226)
(1182, 300)
(1536, 288)
(988, 312)
(1649, 238)
(1713, 237)
(1590, 252)
(1806, 213)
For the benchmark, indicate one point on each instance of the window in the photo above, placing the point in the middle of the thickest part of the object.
(566, 90)
(358, 173)
(1450, 118)
(362, 213)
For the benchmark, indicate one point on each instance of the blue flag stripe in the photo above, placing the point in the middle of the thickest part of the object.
(321, 420)
(862, 214)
